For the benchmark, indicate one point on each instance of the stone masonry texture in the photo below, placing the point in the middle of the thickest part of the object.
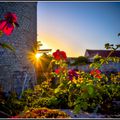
(16, 68)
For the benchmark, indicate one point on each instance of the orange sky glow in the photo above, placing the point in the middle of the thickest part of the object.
(54, 43)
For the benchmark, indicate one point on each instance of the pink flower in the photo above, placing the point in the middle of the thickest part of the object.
(72, 73)
(7, 26)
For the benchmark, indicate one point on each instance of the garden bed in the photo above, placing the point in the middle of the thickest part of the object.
(80, 94)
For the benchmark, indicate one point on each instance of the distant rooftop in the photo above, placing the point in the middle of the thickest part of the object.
(102, 53)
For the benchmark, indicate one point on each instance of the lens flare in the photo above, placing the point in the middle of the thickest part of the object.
(37, 55)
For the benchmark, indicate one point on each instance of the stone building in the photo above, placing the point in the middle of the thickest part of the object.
(16, 70)
(103, 53)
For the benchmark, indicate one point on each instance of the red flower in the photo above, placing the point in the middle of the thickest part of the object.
(7, 26)
(98, 76)
(58, 55)
(57, 71)
(96, 73)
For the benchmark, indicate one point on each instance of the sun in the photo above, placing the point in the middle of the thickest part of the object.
(37, 55)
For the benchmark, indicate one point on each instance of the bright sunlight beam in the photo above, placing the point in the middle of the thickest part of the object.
(38, 55)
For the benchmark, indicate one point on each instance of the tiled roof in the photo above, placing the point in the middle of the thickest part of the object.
(103, 53)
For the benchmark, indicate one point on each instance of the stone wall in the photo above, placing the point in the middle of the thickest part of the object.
(111, 67)
(15, 68)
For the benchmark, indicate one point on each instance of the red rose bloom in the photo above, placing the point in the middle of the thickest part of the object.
(58, 55)
(7, 26)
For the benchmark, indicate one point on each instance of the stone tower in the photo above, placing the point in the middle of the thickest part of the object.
(16, 70)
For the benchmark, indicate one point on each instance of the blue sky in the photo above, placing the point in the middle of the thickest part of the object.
(77, 26)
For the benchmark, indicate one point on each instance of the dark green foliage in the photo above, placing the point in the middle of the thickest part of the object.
(12, 105)
(108, 46)
(97, 58)
(81, 60)
(112, 46)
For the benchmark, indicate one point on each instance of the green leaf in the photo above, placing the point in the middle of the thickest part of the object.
(91, 65)
(90, 89)
(114, 59)
(1, 33)
(78, 100)
(77, 109)
(84, 105)
(57, 90)
(102, 61)
(107, 46)
(5, 45)
(78, 85)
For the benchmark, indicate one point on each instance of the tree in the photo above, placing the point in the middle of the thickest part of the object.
(81, 60)
(97, 58)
